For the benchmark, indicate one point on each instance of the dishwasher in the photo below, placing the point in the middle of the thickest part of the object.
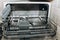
(27, 21)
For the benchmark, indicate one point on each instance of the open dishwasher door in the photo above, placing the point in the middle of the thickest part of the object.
(27, 20)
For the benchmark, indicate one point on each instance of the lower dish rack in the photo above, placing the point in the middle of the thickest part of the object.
(30, 33)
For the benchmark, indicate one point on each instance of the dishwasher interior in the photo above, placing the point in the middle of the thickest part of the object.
(21, 21)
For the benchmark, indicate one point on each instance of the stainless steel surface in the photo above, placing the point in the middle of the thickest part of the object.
(53, 12)
(28, 22)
